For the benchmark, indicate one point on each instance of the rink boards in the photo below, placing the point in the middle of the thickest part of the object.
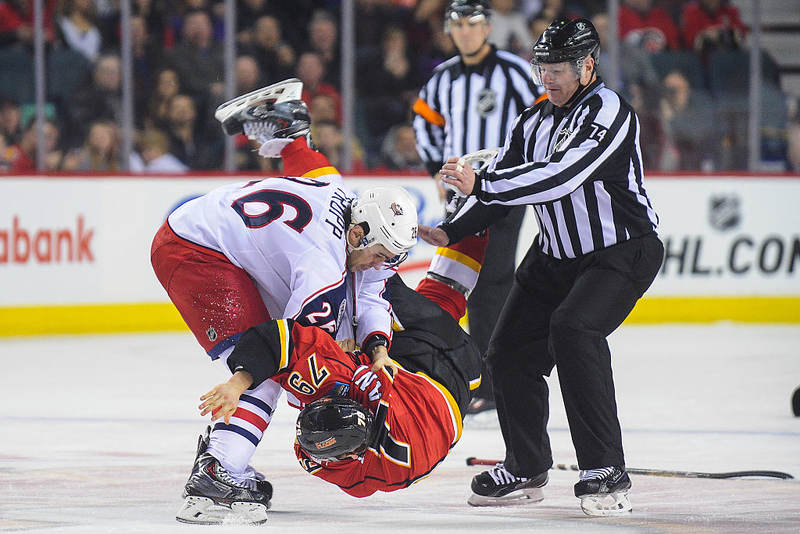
(74, 252)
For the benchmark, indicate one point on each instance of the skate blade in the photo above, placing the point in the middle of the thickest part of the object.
(516, 498)
(286, 90)
(606, 505)
(203, 511)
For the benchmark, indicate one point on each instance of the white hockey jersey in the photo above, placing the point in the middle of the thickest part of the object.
(289, 235)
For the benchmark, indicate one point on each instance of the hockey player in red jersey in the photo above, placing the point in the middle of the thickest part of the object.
(368, 431)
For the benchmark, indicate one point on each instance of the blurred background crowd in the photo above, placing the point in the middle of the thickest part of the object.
(683, 65)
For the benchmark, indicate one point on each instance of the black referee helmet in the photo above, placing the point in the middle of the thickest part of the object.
(473, 9)
(567, 40)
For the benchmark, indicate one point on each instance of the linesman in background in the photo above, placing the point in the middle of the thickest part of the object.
(468, 105)
(576, 159)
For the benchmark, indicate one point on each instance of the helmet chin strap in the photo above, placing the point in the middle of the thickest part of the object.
(580, 89)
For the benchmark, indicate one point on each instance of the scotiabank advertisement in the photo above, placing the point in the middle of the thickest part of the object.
(87, 240)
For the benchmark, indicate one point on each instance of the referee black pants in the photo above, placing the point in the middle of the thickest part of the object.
(494, 284)
(559, 313)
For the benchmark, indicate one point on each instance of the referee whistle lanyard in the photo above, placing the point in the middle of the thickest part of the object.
(565, 132)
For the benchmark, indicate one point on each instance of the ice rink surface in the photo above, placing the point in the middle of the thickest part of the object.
(99, 433)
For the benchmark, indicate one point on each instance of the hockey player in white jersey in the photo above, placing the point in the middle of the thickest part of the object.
(276, 248)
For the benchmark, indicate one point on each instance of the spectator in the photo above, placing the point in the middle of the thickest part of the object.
(21, 157)
(198, 59)
(167, 85)
(99, 99)
(372, 16)
(440, 50)
(101, 152)
(388, 85)
(708, 25)
(324, 109)
(647, 27)
(399, 149)
(510, 30)
(78, 29)
(311, 71)
(329, 141)
(639, 81)
(249, 12)
(560, 9)
(248, 75)
(194, 145)
(160, 36)
(16, 22)
(323, 37)
(275, 58)
(689, 139)
(214, 8)
(154, 155)
(10, 119)
(147, 59)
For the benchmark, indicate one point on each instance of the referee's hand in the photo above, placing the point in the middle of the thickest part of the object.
(459, 174)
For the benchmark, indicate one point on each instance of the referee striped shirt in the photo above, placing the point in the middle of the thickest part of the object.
(463, 108)
(580, 168)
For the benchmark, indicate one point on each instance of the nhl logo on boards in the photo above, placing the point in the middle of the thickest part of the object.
(486, 102)
(211, 333)
(725, 212)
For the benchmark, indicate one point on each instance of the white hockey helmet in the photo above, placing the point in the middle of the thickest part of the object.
(388, 215)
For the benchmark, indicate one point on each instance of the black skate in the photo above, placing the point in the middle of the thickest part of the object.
(212, 496)
(604, 492)
(498, 487)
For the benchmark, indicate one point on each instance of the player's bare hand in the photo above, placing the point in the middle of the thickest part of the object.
(458, 173)
(347, 345)
(381, 359)
(433, 236)
(223, 399)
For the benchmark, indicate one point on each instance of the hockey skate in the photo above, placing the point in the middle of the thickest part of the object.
(498, 487)
(604, 492)
(213, 497)
(279, 118)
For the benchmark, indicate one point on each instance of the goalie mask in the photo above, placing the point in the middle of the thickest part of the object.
(474, 10)
(566, 41)
(388, 216)
(331, 428)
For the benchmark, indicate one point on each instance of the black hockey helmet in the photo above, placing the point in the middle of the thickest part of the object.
(332, 427)
(567, 40)
(474, 9)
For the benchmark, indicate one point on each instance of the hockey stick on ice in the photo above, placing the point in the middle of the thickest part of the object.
(660, 473)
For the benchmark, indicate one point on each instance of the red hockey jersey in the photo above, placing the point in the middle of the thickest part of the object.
(419, 419)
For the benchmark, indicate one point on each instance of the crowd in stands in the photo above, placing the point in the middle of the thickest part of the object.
(683, 65)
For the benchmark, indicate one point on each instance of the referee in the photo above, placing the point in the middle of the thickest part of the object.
(469, 104)
(576, 159)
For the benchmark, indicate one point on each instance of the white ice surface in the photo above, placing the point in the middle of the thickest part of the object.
(97, 435)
